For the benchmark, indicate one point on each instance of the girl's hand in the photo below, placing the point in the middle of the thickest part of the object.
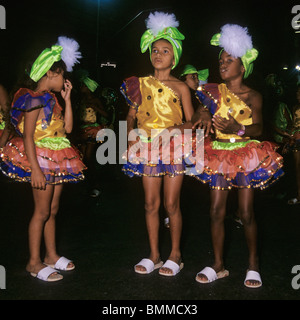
(224, 125)
(202, 120)
(66, 92)
(38, 180)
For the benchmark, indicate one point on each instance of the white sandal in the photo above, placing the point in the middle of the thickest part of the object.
(211, 275)
(45, 275)
(62, 264)
(149, 265)
(173, 266)
(252, 276)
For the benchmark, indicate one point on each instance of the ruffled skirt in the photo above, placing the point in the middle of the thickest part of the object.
(250, 164)
(174, 157)
(58, 160)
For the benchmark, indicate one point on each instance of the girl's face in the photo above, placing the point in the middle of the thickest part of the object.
(230, 67)
(192, 80)
(162, 55)
(57, 80)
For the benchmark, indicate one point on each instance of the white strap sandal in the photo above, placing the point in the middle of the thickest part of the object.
(62, 264)
(211, 275)
(149, 265)
(173, 266)
(253, 276)
(45, 275)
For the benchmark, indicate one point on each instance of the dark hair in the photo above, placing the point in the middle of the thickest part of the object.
(26, 82)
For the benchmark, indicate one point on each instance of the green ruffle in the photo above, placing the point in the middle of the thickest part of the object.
(57, 143)
(230, 145)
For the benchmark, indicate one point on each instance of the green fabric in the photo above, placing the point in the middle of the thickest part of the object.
(2, 125)
(91, 84)
(189, 69)
(230, 145)
(90, 125)
(280, 121)
(44, 62)
(57, 143)
(171, 34)
(247, 58)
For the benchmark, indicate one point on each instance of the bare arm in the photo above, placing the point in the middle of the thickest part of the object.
(38, 180)
(66, 95)
(232, 126)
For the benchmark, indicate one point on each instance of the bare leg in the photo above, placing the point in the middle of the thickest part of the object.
(217, 216)
(172, 187)
(152, 187)
(42, 203)
(248, 218)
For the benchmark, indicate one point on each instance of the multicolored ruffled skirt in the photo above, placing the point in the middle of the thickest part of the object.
(250, 164)
(175, 156)
(58, 160)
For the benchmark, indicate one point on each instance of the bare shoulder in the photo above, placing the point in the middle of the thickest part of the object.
(251, 97)
(179, 86)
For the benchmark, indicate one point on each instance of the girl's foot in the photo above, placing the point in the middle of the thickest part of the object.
(59, 263)
(141, 269)
(168, 271)
(35, 269)
(203, 278)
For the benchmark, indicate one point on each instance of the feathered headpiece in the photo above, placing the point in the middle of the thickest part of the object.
(236, 40)
(66, 49)
(70, 53)
(162, 25)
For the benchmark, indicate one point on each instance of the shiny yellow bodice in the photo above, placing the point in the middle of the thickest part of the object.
(54, 129)
(238, 109)
(160, 107)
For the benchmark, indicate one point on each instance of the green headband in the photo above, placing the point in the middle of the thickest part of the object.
(202, 74)
(44, 62)
(82, 76)
(247, 58)
(170, 34)
(91, 84)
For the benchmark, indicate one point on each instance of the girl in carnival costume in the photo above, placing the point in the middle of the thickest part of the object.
(90, 107)
(233, 159)
(42, 155)
(156, 101)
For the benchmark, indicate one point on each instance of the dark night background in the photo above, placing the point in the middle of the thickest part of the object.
(104, 235)
(32, 26)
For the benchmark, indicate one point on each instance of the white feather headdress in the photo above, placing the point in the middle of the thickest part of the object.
(235, 40)
(70, 53)
(158, 21)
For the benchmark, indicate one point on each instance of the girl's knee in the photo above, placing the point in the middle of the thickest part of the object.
(54, 210)
(217, 214)
(42, 214)
(171, 207)
(151, 206)
(246, 216)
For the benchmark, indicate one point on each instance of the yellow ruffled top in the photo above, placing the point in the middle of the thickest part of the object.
(160, 107)
(229, 102)
(53, 130)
